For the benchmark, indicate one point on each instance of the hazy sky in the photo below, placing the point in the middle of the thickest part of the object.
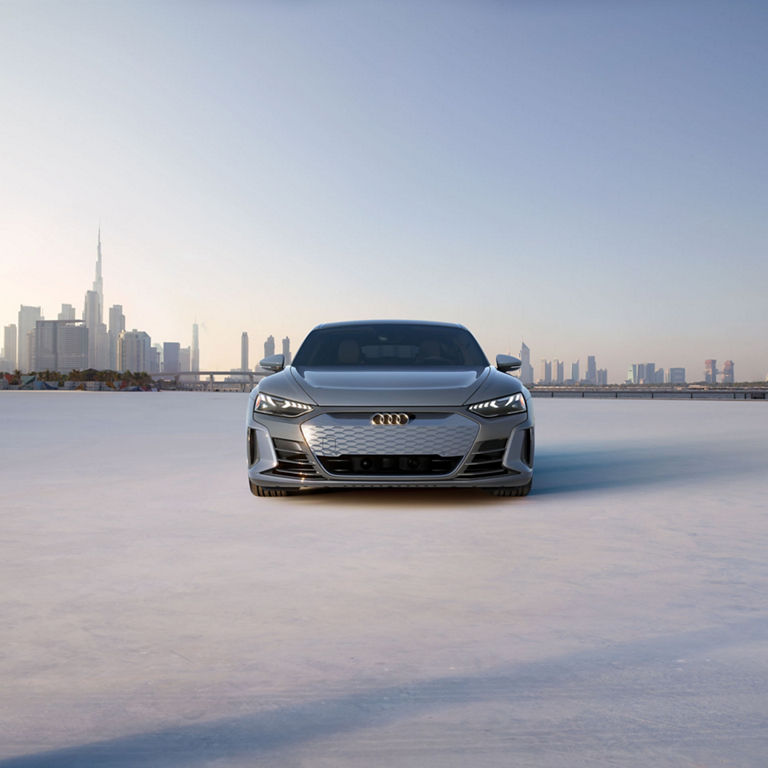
(589, 176)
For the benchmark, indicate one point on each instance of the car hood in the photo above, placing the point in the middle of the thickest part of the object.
(389, 388)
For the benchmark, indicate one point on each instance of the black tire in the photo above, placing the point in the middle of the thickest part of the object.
(260, 490)
(513, 490)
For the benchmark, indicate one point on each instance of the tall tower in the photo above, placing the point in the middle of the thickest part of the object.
(28, 317)
(269, 346)
(98, 339)
(10, 344)
(116, 327)
(98, 283)
(545, 371)
(287, 350)
(92, 318)
(575, 377)
(526, 369)
(244, 351)
(591, 370)
(195, 361)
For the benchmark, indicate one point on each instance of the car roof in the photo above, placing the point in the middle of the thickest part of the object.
(347, 323)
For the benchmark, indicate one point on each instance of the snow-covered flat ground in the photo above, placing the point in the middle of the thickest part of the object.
(154, 613)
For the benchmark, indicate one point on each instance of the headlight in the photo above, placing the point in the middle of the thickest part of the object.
(502, 406)
(278, 406)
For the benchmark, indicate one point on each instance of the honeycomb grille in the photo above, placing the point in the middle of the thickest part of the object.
(412, 439)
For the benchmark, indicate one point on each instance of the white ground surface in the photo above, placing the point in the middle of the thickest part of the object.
(154, 613)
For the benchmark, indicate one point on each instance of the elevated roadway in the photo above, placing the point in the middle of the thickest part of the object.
(653, 393)
(211, 380)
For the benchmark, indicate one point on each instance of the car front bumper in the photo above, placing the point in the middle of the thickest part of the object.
(438, 447)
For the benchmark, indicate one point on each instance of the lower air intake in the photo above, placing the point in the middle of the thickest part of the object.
(486, 460)
(293, 460)
(375, 464)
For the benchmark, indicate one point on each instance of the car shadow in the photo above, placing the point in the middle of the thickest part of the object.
(570, 470)
(575, 469)
(400, 498)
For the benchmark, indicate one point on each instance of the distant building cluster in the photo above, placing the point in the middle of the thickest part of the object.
(553, 372)
(648, 373)
(69, 344)
(711, 373)
(269, 350)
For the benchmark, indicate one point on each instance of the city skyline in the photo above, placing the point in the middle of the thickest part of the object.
(70, 343)
(133, 350)
(588, 177)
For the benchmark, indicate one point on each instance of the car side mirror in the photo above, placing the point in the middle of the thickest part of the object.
(508, 363)
(273, 363)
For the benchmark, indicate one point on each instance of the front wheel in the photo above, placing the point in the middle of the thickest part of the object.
(513, 490)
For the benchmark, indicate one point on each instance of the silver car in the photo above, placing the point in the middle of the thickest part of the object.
(389, 403)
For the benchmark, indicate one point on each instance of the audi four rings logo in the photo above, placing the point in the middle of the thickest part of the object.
(390, 419)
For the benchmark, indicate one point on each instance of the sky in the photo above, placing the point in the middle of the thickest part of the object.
(589, 176)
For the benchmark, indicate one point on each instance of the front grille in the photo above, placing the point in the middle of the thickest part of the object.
(486, 460)
(382, 464)
(292, 460)
(354, 434)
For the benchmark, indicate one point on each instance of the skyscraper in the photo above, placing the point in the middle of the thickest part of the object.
(98, 338)
(676, 376)
(134, 351)
(67, 312)
(591, 377)
(558, 372)
(155, 360)
(91, 310)
(269, 346)
(638, 373)
(575, 372)
(526, 369)
(9, 346)
(116, 327)
(545, 371)
(727, 377)
(98, 283)
(185, 359)
(710, 371)
(61, 345)
(287, 350)
(194, 363)
(171, 356)
(244, 351)
(28, 317)
(45, 345)
(71, 346)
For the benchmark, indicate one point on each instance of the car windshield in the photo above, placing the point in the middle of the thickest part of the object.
(390, 345)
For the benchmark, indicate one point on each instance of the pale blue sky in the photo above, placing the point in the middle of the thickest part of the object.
(589, 176)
